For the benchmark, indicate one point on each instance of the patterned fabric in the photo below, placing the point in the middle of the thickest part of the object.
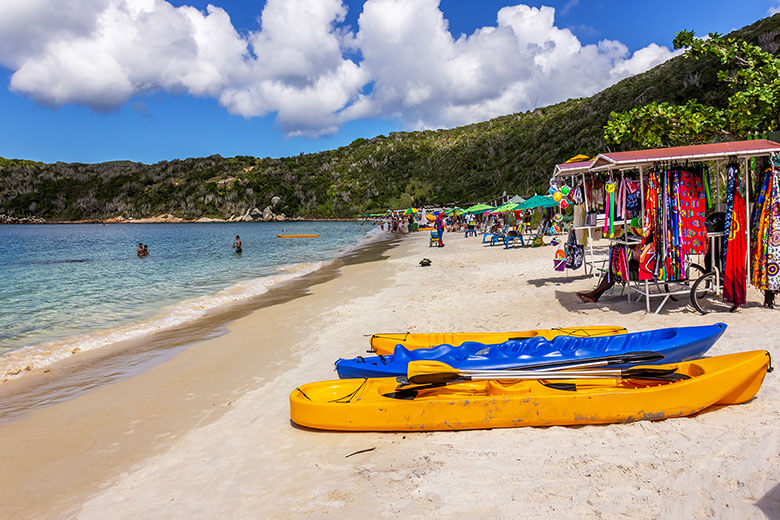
(734, 277)
(731, 179)
(674, 217)
(766, 234)
(692, 200)
(773, 265)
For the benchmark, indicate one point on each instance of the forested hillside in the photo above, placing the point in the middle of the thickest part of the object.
(513, 153)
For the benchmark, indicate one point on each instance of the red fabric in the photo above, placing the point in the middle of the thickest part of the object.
(647, 262)
(734, 279)
(693, 231)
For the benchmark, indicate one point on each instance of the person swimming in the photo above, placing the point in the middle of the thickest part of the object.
(237, 245)
(146, 250)
(140, 250)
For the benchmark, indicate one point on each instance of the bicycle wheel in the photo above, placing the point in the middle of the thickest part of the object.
(694, 271)
(705, 297)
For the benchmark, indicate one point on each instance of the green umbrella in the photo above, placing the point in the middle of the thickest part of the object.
(538, 201)
(517, 199)
(477, 208)
(411, 211)
(450, 211)
(506, 207)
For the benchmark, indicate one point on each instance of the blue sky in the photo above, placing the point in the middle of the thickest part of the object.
(394, 70)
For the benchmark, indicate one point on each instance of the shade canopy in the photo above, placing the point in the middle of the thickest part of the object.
(538, 201)
(517, 199)
(506, 207)
(411, 211)
(477, 208)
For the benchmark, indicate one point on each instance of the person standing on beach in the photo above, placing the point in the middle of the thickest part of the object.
(140, 250)
(440, 229)
(237, 245)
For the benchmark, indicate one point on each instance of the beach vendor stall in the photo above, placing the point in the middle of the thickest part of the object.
(675, 189)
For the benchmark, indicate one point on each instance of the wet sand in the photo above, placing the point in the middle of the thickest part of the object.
(207, 433)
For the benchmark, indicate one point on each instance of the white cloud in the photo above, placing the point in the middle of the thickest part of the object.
(102, 52)
(429, 79)
(773, 10)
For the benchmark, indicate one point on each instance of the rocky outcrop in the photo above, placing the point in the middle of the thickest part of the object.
(8, 219)
(268, 215)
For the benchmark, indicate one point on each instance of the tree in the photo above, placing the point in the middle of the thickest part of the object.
(753, 107)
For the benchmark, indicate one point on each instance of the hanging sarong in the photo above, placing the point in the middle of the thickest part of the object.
(773, 236)
(692, 200)
(734, 278)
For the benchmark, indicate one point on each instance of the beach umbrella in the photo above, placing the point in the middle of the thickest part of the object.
(510, 206)
(517, 199)
(478, 208)
(578, 158)
(538, 201)
(411, 211)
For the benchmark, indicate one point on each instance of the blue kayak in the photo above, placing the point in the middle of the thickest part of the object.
(676, 344)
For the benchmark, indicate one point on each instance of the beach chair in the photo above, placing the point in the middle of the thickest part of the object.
(512, 238)
(489, 237)
(536, 238)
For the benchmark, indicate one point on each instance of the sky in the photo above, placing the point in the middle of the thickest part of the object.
(151, 80)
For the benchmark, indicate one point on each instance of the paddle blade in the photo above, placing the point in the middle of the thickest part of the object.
(426, 371)
(662, 374)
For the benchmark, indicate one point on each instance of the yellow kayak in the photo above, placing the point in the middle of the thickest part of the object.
(379, 404)
(385, 343)
(297, 236)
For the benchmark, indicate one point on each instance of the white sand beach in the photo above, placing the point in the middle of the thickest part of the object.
(207, 434)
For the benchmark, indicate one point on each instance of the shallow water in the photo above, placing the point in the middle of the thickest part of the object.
(82, 285)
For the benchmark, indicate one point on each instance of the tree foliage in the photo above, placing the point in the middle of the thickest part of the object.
(753, 106)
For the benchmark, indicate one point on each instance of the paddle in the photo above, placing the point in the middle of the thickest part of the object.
(642, 357)
(436, 372)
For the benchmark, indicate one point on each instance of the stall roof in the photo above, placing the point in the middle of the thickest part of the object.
(572, 168)
(699, 152)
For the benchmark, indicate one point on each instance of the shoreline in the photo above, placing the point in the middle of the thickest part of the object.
(207, 434)
(32, 384)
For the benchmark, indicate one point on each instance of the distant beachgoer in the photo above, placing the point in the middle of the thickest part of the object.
(140, 250)
(440, 229)
(146, 250)
(237, 245)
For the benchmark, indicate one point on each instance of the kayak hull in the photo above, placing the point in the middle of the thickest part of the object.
(374, 405)
(676, 344)
(385, 343)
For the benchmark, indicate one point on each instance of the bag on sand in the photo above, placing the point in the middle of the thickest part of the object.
(575, 252)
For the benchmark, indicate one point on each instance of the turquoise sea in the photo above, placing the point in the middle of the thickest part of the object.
(82, 286)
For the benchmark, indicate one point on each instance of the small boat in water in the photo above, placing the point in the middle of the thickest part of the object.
(385, 343)
(676, 344)
(297, 236)
(380, 404)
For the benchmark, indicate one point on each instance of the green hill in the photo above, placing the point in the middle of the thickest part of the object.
(513, 153)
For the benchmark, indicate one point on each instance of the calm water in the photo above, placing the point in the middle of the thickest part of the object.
(82, 285)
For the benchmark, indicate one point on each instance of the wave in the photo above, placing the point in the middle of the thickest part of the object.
(16, 363)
